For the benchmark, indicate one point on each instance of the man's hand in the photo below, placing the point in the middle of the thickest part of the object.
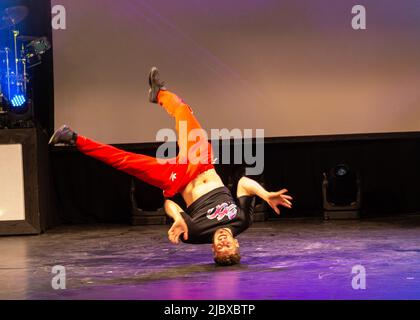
(279, 198)
(178, 227)
(249, 187)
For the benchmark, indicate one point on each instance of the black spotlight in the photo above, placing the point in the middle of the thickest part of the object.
(341, 193)
(20, 116)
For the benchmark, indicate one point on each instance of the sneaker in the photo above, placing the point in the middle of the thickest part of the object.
(155, 85)
(65, 135)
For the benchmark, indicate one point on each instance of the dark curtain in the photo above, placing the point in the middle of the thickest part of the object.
(89, 191)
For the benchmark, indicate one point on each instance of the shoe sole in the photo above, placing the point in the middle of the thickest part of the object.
(152, 94)
(56, 134)
(153, 71)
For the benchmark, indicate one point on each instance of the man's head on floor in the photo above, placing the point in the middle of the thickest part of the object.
(225, 248)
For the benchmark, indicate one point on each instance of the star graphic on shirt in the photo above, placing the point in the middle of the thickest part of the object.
(173, 176)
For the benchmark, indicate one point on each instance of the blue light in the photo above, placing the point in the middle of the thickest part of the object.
(18, 100)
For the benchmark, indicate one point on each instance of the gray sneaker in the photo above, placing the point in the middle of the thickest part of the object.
(155, 85)
(65, 135)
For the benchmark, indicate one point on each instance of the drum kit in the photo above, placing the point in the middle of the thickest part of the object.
(21, 53)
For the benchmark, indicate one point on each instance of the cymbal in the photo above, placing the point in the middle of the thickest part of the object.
(10, 17)
(27, 38)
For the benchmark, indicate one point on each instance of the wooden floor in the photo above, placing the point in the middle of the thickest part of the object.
(301, 259)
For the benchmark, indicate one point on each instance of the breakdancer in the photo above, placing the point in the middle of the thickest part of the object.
(212, 214)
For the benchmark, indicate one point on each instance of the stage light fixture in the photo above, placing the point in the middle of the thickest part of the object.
(18, 100)
(341, 193)
(20, 112)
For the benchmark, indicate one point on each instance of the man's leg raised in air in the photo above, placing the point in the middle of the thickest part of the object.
(145, 168)
(197, 148)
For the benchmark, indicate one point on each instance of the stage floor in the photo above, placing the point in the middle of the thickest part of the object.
(301, 259)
